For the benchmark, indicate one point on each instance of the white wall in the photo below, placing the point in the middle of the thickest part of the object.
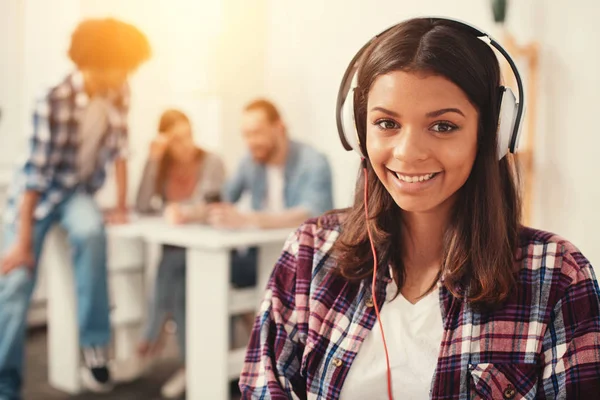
(11, 82)
(311, 42)
(241, 55)
(208, 60)
(295, 53)
(182, 36)
(568, 188)
(33, 42)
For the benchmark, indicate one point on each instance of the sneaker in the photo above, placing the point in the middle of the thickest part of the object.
(175, 386)
(95, 374)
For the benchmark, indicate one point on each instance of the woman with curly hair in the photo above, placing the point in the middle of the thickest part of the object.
(79, 128)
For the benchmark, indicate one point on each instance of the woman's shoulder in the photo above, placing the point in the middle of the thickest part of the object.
(554, 254)
(304, 282)
(212, 158)
(317, 234)
(321, 232)
(307, 251)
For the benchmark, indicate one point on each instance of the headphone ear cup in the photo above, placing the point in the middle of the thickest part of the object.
(349, 120)
(506, 121)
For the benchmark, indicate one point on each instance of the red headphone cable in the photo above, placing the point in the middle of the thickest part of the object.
(387, 357)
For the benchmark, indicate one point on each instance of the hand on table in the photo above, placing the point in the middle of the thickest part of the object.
(227, 216)
(116, 216)
(174, 214)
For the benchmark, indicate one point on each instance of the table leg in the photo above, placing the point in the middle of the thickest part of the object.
(63, 332)
(207, 332)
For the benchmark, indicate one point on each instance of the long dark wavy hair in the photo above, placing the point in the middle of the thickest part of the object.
(480, 241)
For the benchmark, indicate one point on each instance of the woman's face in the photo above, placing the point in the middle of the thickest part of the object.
(181, 143)
(421, 138)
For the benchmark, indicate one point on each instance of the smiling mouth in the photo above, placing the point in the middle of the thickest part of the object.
(415, 178)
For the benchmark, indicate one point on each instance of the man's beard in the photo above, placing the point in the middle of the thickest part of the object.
(265, 156)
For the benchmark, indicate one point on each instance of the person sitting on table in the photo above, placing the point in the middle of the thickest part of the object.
(179, 180)
(288, 182)
(79, 128)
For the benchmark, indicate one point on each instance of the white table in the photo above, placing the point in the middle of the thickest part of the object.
(125, 271)
(210, 301)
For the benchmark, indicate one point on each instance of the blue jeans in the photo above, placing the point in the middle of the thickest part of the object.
(84, 223)
(170, 284)
(169, 296)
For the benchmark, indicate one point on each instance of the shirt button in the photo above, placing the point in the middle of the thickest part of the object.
(509, 392)
(369, 302)
(337, 362)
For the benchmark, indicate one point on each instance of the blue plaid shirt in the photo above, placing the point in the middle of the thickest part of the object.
(307, 177)
(50, 167)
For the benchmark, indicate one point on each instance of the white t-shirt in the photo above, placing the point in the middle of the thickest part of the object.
(92, 127)
(275, 184)
(413, 333)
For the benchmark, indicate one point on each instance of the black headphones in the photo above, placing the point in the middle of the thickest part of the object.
(511, 113)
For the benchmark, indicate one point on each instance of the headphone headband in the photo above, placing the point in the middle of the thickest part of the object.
(345, 113)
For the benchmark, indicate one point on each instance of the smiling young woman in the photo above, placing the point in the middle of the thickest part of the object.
(432, 252)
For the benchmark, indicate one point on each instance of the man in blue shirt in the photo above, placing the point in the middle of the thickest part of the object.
(288, 182)
(79, 128)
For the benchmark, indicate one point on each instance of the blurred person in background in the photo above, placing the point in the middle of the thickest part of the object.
(288, 182)
(79, 128)
(179, 181)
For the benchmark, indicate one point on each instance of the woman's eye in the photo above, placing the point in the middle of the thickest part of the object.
(386, 124)
(443, 127)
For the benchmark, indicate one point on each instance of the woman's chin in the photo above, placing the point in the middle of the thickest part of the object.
(414, 207)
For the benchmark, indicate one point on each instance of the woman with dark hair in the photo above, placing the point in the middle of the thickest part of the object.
(179, 180)
(428, 286)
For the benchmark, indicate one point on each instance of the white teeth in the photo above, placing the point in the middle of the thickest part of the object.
(414, 179)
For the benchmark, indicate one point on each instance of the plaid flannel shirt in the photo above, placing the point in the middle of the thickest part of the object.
(544, 343)
(50, 167)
